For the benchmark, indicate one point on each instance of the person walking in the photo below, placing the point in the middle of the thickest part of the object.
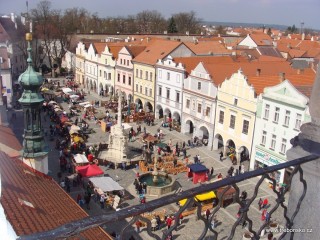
(265, 203)
(102, 201)
(87, 199)
(260, 204)
(169, 222)
(211, 171)
(207, 213)
(153, 224)
(138, 226)
(221, 155)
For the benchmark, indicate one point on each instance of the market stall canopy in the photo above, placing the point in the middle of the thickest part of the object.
(88, 105)
(75, 128)
(106, 184)
(150, 138)
(74, 96)
(80, 158)
(77, 139)
(64, 119)
(161, 145)
(89, 170)
(53, 103)
(126, 126)
(197, 168)
(84, 103)
(200, 197)
(66, 90)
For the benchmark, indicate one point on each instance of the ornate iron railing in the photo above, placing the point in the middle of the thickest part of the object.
(135, 212)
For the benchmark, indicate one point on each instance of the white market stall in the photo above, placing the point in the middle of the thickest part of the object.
(106, 184)
(80, 159)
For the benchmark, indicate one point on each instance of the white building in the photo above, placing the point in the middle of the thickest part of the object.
(199, 104)
(280, 112)
(169, 84)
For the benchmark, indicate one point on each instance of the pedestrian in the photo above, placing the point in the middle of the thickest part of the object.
(180, 218)
(221, 155)
(213, 223)
(244, 195)
(138, 226)
(260, 204)
(219, 176)
(267, 217)
(265, 203)
(169, 222)
(270, 236)
(153, 224)
(207, 213)
(198, 158)
(211, 171)
(175, 162)
(263, 215)
(87, 199)
(102, 201)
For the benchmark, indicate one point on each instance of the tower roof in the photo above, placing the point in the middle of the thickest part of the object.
(30, 79)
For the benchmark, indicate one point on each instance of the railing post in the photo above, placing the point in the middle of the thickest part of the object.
(306, 222)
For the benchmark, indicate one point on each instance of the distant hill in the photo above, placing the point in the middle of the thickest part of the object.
(233, 24)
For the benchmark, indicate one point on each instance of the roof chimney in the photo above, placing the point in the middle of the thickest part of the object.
(258, 72)
(282, 77)
(300, 71)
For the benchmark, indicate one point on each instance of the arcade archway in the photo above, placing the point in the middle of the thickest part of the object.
(218, 142)
(190, 127)
(159, 112)
(148, 107)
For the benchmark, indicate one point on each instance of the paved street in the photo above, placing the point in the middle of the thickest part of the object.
(191, 227)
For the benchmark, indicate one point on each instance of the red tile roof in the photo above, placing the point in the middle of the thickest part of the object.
(156, 50)
(261, 39)
(207, 47)
(135, 50)
(8, 142)
(52, 205)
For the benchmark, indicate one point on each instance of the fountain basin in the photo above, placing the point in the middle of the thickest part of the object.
(164, 185)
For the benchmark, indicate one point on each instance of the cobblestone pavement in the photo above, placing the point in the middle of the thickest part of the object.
(191, 228)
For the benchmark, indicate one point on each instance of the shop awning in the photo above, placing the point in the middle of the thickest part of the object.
(106, 184)
(80, 158)
(84, 103)
(66, 90)
(197, 168)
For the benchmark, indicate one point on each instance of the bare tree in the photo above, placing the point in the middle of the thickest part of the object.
(150, 22)
(187, 22)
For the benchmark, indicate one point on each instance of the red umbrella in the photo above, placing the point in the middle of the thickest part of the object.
(64, 119)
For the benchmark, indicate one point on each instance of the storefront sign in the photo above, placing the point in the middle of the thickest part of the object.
(267, 158)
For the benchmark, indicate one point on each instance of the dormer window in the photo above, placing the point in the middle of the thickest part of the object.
(235, 101)
(199, 85)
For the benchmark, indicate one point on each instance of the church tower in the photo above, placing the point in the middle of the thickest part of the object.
(35, 150)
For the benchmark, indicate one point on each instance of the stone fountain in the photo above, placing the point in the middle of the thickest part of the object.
(158, 182)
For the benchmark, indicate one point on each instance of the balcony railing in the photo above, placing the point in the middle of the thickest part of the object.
(139, 212)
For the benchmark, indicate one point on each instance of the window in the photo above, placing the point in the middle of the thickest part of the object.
(109, 76)
(150, 76)
(145, 91)
(208, 111)
(105, 74)
(168, 76)
(106, 61)
(137, 72)
(146, 76)
(177, 97)
(121, 61)
(127, 62)
(193, 105)
(283, 146)
(264, 138)
(199, 85)
(160, 74)
(188, 103)
(232, 121)
(118, 77)
(276, 115)
(178, 79)
(235, 101)
(124, 79)
(168, 93)
(221, 117)
(245, 127)
(140, 73)
(129, 81)
(100, 73)
(199, 108)
(137, 88)
(266, 111)
(287, 118)
(273, 142)
(150, 92)
(140, 89)
(160, 91)
(298, 122)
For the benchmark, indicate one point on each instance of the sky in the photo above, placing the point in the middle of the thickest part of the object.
(282, 12)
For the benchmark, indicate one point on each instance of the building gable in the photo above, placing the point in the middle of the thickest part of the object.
(200, 71)
(248, 42)
(181, 51)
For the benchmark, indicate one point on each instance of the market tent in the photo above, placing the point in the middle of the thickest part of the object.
(66, 90)
(52, 103)
(89, 170)
(106, 184)
(84, 103)
(74, 96)
(161, 145)
(80, 158)
(198, 172)
(77, 139)
(200, 197)
(75, 128)
(150, 138)
(126, 126)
